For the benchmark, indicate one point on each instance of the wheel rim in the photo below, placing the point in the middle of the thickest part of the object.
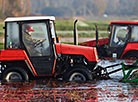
(14, 76)
(79, 77)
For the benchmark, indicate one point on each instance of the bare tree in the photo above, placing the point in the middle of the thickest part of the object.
(15, 7)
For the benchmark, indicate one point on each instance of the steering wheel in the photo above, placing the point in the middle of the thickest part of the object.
(120, 40)
(38, 42)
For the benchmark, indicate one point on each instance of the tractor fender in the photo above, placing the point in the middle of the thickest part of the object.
(14, 57)
(130, 54)
(130, 49)
(18, 63)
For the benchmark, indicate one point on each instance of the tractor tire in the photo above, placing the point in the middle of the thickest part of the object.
(15, 74)
(78, 74)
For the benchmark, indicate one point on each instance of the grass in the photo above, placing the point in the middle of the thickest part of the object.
(68, 25)
(1, 46)
(1, 26)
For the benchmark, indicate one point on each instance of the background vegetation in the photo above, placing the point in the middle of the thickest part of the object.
(85, 8)
(87, 25)
(69, 8)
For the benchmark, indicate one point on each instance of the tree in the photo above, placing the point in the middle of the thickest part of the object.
(15, 7)
(60, 11)
(112, 6)
(99, 7)
(135, 8)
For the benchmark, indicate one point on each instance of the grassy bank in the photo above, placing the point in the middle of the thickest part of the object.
(1, 46)
(81, 25)
(85, 28)
(1, 26)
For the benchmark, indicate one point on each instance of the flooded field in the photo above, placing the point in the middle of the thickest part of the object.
(50, 90)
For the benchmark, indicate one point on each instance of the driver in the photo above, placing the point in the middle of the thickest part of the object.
(123, 36)
(30, 43)
(28, 38)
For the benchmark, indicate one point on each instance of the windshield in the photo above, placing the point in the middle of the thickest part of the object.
(119, 35)
(134, 35)
(122, 34)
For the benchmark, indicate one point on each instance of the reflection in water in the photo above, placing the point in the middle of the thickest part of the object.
(59, 91)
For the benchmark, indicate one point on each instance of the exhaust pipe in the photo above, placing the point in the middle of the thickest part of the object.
(75, 33)
(96, 35)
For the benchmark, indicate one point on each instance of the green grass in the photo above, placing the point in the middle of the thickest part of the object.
(64, 25)
(1, 46)
(67, 25)
(1, 26)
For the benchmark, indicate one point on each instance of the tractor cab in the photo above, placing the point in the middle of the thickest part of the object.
(122, 41)
(35, 35)
(122, 36)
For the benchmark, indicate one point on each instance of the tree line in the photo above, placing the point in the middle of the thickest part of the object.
(86, 7)
(14, 8)
(68, 8)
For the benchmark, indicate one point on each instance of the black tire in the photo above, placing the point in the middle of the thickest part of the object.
(78, 77)
(78, 74)
(15, 74)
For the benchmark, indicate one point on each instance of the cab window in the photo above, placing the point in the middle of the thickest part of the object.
(36, 39)
(119, 36)
(134, 35)
(12, 35)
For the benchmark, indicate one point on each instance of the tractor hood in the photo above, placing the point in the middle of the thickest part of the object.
(89, 52)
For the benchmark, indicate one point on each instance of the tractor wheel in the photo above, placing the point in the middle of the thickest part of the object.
(78, 74)
(15, 75)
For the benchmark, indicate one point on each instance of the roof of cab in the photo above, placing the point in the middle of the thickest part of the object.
(29, 18)
(124, 22)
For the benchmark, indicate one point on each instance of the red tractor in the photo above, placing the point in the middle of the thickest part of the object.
(32, 51)
(121, 43)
